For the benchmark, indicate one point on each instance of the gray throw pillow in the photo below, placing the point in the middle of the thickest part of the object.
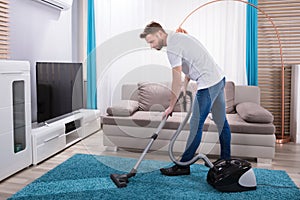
(252, 112)
(157, 96)
(124, 108)
(153, 96)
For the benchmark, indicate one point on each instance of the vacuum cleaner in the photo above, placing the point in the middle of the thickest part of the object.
(234, 175)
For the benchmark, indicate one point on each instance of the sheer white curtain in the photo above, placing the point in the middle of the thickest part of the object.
(219, 26)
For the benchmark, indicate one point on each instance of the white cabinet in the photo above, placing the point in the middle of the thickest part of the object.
(15, 112)
(51, 138)
(90, 122)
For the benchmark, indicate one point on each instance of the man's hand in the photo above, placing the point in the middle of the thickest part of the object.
(168, 112)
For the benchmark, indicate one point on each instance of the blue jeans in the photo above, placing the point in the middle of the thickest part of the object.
(206, 100)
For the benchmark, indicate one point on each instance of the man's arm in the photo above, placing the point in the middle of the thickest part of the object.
(176, 87)
(185, 84)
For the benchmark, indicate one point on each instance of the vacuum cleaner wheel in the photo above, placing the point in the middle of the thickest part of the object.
(233, 175)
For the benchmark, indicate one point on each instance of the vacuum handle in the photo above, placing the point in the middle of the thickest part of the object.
(184, 102)
(188, 93)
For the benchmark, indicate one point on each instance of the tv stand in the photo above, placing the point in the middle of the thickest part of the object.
(53, 137)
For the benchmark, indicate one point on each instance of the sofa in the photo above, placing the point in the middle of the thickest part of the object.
(130, 122)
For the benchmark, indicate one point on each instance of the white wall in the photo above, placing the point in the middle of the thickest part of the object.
(41, 33)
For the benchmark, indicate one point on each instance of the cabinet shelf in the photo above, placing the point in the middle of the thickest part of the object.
(73, 136)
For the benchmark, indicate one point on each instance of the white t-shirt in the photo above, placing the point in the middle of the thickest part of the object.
(186, 51)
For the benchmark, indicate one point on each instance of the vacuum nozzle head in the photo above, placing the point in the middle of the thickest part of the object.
(120, 180)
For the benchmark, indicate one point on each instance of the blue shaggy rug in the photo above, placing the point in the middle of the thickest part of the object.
(88, 177)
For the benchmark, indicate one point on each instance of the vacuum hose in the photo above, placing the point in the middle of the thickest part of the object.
(178, 131)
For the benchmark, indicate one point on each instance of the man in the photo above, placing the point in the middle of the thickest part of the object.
(186, 54)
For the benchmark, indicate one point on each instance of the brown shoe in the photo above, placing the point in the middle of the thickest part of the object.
(176, 170)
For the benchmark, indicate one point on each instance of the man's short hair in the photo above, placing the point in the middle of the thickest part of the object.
(151, 28)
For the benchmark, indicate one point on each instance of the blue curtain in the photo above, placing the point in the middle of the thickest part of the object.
(251, 44)
(91, 58)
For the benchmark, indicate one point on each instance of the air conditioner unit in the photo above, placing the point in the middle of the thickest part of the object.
(59, 4)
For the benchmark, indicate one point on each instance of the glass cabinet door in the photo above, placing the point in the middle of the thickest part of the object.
(19, 127)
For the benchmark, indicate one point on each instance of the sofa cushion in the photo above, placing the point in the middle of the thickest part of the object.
(153, 96)
(229, 96)
(147, 119)
(124, 108)
(254, 113)
(238, 125)
(152, 119)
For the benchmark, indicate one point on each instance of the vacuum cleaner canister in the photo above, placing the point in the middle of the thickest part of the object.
(233, 175)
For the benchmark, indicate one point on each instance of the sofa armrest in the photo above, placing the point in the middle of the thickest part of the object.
(124, 108)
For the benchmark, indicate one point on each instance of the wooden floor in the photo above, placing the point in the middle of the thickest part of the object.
(287, 158)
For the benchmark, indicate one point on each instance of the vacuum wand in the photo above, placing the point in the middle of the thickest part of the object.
(121, 180)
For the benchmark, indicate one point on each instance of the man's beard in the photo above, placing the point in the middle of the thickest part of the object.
(161, 44)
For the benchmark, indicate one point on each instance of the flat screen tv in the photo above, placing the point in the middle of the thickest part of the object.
(59, 89)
